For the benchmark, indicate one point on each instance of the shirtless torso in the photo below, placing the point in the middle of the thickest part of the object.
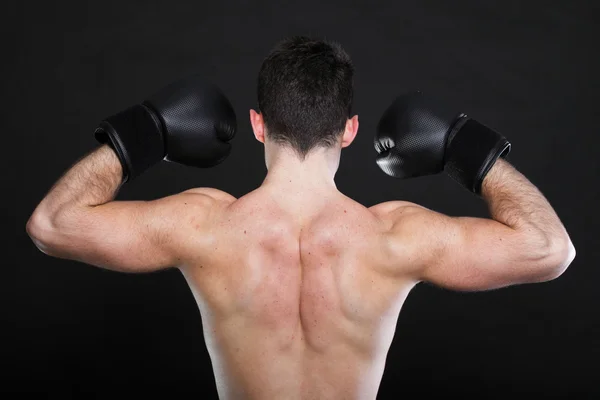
(296, 304)
(300, 287)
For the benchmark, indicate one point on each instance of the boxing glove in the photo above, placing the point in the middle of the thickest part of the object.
(418, 136)
(190, 122)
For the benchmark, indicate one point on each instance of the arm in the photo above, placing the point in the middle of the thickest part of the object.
(524, 242)
(77, 219)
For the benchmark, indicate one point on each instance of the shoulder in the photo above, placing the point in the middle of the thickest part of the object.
(210, 196)
(390, 212)
(200, 206)
(198, 209)
(392, 206)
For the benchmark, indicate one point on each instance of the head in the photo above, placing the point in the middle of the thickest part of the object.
(305, 90)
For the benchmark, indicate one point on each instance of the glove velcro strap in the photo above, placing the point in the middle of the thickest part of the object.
(472, 151)
(135, 135)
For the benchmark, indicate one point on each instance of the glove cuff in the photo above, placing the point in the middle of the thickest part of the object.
(136, 136)
(472, 150)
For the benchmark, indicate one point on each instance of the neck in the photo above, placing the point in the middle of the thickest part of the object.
(314, 174)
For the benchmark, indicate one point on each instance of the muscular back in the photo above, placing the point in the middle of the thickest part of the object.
(296, 304)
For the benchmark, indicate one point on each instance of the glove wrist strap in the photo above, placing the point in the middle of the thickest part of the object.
(472, 150)
(136, 136)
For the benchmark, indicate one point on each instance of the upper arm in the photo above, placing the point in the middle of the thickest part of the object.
(465, 253)
(131, 236)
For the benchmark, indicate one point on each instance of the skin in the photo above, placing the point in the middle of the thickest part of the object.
(300, 287)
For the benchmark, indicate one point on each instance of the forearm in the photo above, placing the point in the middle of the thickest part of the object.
(93, 180)
(514, 201)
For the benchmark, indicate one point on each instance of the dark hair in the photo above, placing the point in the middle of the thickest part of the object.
(305, 93)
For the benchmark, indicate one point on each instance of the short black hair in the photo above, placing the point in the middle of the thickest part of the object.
(305, 90)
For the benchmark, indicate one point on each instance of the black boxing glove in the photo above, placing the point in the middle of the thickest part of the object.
(417, 136)
(189, 122)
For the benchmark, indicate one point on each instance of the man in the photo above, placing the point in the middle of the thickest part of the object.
(299, 286)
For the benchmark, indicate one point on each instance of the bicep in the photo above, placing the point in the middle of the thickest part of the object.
(129, 236)
(465, 253)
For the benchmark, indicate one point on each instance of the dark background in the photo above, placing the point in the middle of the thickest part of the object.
(528, 69)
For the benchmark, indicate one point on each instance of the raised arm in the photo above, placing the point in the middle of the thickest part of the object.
(523, 242)
(190, 122)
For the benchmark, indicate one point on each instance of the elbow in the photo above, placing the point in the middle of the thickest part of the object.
(560, 255)
(39, 229)
(35, 226)
(53, 233)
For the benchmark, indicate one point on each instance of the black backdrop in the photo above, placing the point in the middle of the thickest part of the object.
(528, 69)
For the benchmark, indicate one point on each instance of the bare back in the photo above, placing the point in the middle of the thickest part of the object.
(296, 304)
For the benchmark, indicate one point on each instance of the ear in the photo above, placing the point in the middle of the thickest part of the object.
(350, 131)
(258, 125)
